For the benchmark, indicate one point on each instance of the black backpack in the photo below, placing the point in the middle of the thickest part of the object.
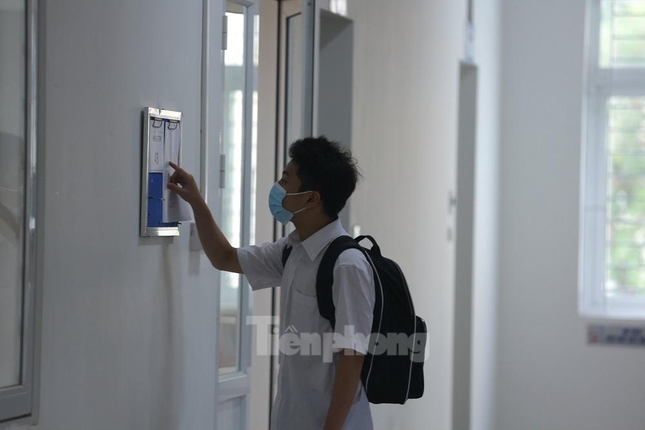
(393, 367)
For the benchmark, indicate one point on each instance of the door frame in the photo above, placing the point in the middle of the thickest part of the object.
(237, 385)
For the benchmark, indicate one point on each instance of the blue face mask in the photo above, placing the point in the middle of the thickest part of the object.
(276, 195)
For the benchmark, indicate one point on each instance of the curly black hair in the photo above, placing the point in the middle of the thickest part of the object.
(327, 167)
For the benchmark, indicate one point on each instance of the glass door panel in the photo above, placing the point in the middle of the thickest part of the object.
(233, 137)
(13, 92)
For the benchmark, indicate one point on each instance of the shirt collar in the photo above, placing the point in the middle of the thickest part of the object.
(320, 239)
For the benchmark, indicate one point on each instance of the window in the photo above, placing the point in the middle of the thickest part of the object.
(613, 212)
(17, 197)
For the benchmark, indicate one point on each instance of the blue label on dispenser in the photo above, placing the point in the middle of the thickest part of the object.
(155, 201)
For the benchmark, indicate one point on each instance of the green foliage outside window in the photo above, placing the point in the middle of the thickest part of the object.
(626, 193)
(622, 46)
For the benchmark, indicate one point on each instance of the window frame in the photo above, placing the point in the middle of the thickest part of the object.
(236, 385)
(251, 10)
(600, 85)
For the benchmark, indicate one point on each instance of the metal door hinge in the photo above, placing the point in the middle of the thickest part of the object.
(452, 202)
(225, 33)
(222, 171)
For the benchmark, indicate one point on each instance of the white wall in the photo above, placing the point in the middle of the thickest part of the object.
(549, 379)
(128, 323)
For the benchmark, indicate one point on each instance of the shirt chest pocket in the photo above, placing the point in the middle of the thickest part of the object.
(305, 316)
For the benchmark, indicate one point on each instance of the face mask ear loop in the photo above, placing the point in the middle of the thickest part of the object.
(297, 194)
(298, 211)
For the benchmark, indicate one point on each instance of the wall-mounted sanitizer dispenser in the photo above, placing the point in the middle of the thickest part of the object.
(161, 209)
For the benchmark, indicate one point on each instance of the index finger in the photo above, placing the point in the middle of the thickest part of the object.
(174, 166)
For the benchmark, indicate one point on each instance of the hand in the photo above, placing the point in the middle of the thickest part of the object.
(183, 183)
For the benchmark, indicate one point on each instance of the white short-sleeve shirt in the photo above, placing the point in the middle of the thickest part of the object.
(306, 375)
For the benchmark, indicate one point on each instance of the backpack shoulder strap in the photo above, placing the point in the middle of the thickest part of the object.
(325, 276)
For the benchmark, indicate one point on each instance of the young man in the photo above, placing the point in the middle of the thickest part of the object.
(313, 393)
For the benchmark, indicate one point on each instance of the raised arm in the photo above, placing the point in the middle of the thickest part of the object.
(217, 248)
